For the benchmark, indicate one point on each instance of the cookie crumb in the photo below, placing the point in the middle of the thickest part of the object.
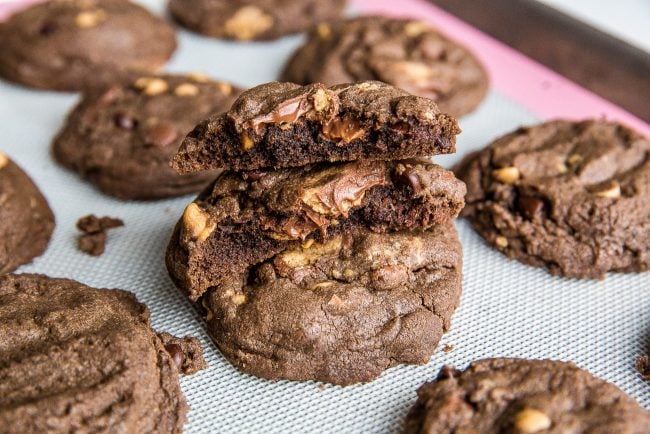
(93, 239)
(448, 348)
(186, 352)
(643, 365)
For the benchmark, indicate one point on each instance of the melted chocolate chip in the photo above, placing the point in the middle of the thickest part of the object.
(448, 372)
(530, 206)
(410, 178)
(161, 134)
(48, 29)
(176, 353)
(123, 121)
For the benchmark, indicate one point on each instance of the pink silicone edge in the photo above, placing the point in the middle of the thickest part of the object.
(542, 91)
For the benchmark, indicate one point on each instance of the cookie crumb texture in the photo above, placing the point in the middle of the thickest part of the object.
(245, 218)
(524, 397)
(73, 44)
(79, 359)
(93, 239)
(408, 54)
(246, 20)
(343, 311)
(278, 125)
(26, 220)
(571, 197)
(121, 136)
(643, 365)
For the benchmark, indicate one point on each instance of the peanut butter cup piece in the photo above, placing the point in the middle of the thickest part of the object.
(244, 218)
(80, 359)
(74, 44)
(26, 220)
(122, 136)
(524, 397)
(573, 197)
(342, 311)
(279, 125)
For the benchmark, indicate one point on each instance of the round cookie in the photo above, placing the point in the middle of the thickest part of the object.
(121, 137)
(405, 53)
(524, 397)
(246, 20)
(72, 44)
(79, 359)
(570, 196)
(343, 311)
(26, 220)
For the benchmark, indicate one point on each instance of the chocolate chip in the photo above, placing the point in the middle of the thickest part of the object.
(448, 372)
(409, 177)
(530, 206)
(123, 121)
(161, 134)
(176, 352)
(47, 29)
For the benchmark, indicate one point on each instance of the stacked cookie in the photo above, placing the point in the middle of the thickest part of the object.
(325, 250)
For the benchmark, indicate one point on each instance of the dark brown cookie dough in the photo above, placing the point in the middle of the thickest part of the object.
(79, 359)
(340, 312)
(121, 137)
(571, 196)
(72, 44)
(245, 218)
(246, 20)
(93, 239)
(285, 125)
(405, 53)
(524, 397)
(26, 220)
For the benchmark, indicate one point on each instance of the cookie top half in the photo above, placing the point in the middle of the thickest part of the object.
(79, 359)
(570, 196)
(524, 397)
(26, 220)
(246, 20)
(245, 218)
(342, 311)
(122, 137)
(72, 44)
(408, 54)
(277, 125)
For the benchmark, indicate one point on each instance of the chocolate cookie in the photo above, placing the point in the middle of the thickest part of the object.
(340, 312)
(571, 196)
(405, 53)
(26, 220)
(524, 397)
(285, 125)
(246, 20)
(245, 218)
(79, 359)
(72, 44)
(122, 137)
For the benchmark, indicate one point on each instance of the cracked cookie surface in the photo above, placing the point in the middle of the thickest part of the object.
(26, 220)
(246, 20)
(73, 44)
(277, 125)
(247, 217)
(408, 54)
(569, 196)
(524, 397)
(121, 136)
(79, 359)
(343, 311)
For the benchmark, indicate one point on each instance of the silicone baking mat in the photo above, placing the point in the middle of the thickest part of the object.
(508, 309)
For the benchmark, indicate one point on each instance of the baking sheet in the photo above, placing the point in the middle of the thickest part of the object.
(507, 310)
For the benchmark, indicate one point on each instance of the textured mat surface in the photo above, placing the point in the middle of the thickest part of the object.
(507, 309)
